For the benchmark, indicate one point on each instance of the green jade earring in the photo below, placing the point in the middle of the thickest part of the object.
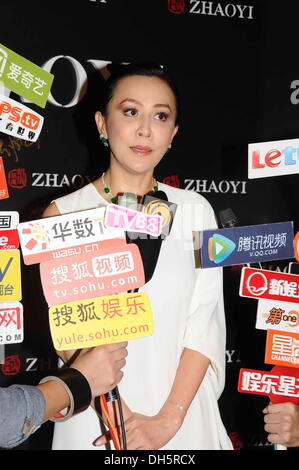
(104, 140)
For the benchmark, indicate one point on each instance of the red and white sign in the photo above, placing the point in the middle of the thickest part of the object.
(11, 323)
(54, 237)
(282, 316)
(18, 120)
(9, 239)
(273, 158)
(263, 284)
(282, 348)
(110, 271)
(8, 220)
(281, 384)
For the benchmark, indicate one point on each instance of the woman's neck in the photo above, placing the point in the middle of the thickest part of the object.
(137, 184)
(120, 182)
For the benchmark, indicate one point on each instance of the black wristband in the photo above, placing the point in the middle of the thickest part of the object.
(77, 388)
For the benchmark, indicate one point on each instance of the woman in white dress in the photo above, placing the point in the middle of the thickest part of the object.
(172, 379)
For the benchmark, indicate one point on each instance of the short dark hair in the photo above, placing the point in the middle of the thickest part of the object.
(147, 69)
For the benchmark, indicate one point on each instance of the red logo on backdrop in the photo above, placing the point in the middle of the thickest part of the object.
(176, 6)
(17, 178)
(172, 180)
(11, 365)
(236, 440)
(270, 285)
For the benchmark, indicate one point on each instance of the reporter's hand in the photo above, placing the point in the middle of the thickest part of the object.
(282, 423)
(102, 366)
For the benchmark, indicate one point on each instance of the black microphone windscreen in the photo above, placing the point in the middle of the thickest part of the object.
(228, 218)
(149, 246)
(158, 204)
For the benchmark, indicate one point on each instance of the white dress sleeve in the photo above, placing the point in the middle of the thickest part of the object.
(205, 329)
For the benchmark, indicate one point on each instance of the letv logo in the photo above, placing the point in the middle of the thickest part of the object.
(220, 248)
(273, 158)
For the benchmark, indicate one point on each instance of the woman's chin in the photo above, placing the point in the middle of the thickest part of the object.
(140, 169)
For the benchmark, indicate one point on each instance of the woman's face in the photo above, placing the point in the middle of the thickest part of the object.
(139, 123)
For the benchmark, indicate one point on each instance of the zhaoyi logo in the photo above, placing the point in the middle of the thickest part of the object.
(220, 248)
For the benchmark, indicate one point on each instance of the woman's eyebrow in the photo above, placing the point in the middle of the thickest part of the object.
(164, 105)
(158, 105)
(132, 100)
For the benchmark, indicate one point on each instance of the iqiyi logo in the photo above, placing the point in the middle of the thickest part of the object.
(219, 248)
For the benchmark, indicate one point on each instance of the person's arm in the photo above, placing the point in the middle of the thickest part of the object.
(153, 432)
(23, 408)
(282, 423)
(51, 210)
(21, 413)
(56, 398)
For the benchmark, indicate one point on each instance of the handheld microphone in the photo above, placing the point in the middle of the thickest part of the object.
(228, 219)
(150, 246)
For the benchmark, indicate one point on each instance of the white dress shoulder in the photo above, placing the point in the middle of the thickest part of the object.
(187, 306)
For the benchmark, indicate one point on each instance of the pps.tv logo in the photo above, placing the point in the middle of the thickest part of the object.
(220, 248)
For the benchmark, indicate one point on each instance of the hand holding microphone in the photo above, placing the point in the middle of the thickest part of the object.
(87, 374)
(102, 366)
(282, 423)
